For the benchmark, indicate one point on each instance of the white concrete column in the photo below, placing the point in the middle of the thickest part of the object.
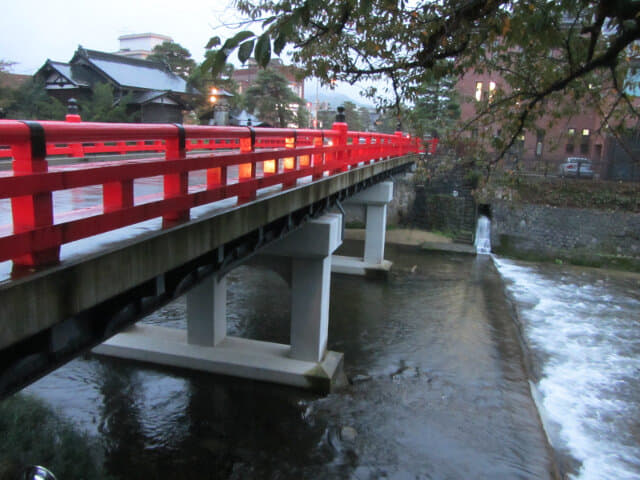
(310, 249)
(375, 199)
(207, 312)
(375, 234)
(310, 286)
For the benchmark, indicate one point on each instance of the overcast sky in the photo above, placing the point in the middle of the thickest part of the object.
(34, 30)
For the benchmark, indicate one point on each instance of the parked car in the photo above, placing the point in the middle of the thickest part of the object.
(579, 167)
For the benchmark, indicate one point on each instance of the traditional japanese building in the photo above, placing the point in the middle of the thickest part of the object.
(156, 94)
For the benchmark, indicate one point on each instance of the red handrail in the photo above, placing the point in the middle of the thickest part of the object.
(263, 156)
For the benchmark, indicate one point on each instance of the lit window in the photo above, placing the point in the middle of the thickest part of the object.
(572, 132)
(585, 132)
(492, 90)
(478, 91)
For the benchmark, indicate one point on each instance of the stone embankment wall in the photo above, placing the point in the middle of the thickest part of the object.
(398, 211)
(543, 232)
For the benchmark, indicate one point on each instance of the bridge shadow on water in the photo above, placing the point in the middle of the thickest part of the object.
(438, 388)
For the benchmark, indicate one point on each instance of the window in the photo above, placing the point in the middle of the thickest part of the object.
(539, 142)
(571, 134)
(478, 91)
(492, 90)
(584, 144)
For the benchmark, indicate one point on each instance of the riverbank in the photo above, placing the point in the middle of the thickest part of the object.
(401, 236)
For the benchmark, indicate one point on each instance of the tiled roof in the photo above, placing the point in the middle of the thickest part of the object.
(134, 72)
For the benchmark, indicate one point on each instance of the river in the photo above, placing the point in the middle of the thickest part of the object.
(582, 330)
(439, 385)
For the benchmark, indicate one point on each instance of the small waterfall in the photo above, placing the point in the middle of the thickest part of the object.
(483, 236)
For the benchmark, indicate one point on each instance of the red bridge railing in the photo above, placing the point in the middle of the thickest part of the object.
(262, 157)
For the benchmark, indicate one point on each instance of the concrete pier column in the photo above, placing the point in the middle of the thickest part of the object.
(375, 200)
(207, 312)
(375, 234)
(304, 257)
(310, 284)
(310, 249)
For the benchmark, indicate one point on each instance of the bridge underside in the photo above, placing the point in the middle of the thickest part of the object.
(56, 314)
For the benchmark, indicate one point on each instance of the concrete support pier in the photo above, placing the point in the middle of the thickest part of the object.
(375, 200)
(205, 345)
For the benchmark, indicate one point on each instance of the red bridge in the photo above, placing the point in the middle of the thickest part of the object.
(285, 156)
(44, 316)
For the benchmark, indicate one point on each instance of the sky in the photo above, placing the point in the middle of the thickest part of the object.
(33, 31)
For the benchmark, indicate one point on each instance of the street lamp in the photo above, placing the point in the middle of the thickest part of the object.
(213, 95)
(213, 98)
(219, 101)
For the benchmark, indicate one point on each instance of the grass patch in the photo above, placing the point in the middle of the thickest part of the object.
(569, 192)
(355, 224)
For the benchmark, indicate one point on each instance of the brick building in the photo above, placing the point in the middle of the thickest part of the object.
(549, 144)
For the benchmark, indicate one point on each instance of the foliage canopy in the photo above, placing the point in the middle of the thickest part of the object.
(271, 96)
(542, 50)
(175, 57)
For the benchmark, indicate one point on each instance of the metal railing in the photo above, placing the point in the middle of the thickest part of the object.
(262, 157)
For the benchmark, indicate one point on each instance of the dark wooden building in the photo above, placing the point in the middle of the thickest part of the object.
(157, 94)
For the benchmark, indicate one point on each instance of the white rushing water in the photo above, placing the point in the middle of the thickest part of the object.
(583, 328)
(483, 236)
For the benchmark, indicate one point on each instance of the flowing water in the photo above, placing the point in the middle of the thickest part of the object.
(439, 389)
(582, 329)
(483, 236)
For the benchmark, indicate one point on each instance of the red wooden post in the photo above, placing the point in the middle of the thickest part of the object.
(397, 144)
(117, 195)
(176, 184)
(247, 171)
(291, 163)
(73, 116)
(341, 139)
(318, 158)
(30, 212)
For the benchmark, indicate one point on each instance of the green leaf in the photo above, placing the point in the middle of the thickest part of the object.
(244, 52)
(269, 21)
(305, 13)
(263, 50)
(215, 63)
(279, 43)
(213, 42)
(234, 41)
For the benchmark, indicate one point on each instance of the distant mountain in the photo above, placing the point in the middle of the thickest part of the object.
(334, 99)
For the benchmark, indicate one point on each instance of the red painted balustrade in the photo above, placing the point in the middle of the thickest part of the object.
(262, 157)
